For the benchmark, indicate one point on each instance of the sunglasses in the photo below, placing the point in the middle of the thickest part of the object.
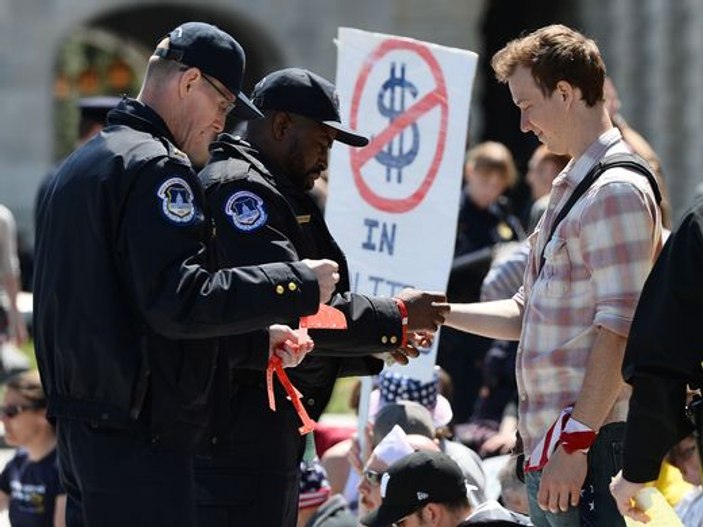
(15, 409)
(373, 477)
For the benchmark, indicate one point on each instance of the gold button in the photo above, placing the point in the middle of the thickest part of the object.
(384, 339)
(394, 339)
(292, 286)
(280, 289)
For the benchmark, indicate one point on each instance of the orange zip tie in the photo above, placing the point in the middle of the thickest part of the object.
(326, 318)
(276, 365)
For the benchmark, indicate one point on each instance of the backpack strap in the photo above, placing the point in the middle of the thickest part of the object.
(621, 160)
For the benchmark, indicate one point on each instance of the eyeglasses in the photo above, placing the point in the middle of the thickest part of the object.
(373, 477)
(14, 410)
(229, 104)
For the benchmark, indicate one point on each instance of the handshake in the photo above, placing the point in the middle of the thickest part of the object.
(426, 313)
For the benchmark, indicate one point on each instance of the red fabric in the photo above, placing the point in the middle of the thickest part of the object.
(326, 436)
(577, 441)
(404, 321)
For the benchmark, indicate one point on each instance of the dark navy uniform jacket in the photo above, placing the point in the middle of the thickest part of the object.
(261, 217)
(123, 293)
(664, 350)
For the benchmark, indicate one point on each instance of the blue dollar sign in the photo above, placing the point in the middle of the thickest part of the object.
(391, 104)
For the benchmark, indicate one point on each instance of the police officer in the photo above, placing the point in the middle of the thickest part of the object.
(663, 355)
(257, 192)
(93, 115)
(124, 291)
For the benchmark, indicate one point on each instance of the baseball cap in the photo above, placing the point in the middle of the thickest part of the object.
(216, 54)
(412, 417)
(96, 108)
(302, 92)
(413, 482)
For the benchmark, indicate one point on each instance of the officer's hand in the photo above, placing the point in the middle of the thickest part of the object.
(418, 341)
(404, 354)
(425, 310)
(285, 344)
(327, 273)
(421, 339)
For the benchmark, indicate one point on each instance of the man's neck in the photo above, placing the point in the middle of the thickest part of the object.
(590, 124)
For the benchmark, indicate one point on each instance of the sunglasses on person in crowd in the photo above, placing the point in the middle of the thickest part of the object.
(373, 477)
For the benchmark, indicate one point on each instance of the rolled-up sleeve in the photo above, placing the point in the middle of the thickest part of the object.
(619, 241)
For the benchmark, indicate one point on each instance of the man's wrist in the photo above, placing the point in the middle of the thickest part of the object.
(577, 437)
(403, 310)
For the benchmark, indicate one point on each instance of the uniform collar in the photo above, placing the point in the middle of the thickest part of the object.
(228, 145)
(577, 169)
(139, 116)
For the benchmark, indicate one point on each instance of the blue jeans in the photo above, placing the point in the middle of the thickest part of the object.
(597, 507)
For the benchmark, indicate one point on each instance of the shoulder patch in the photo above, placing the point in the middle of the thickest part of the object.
(246, 210)
(177, 200)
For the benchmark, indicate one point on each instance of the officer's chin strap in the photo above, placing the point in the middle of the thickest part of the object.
(326, 318)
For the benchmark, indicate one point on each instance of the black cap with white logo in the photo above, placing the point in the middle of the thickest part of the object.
(414, 481)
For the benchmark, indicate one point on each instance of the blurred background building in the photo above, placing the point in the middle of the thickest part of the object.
(54, 51)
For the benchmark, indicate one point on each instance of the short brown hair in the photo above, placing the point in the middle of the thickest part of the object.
(492, 155)
(555, 53)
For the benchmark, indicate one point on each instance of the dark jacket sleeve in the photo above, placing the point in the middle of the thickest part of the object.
(373, 327)
(664, 350)
(251, 350)
(164, 263)
(656, 421)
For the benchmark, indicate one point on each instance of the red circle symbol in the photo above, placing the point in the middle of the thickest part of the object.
(437, 97)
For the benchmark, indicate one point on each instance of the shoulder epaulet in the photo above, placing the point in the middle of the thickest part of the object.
(176, 154)
(233, 163)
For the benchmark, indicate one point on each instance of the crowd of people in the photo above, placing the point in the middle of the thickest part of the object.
(206, 248)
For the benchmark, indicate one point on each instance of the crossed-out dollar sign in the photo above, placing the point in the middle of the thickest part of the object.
(391, 103)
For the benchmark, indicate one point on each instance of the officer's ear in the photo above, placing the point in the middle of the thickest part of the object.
(281, 125)
(187, 81)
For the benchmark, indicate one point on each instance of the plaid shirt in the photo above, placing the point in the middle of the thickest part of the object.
(596, 264)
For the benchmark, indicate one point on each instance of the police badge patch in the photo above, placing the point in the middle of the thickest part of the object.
(246, 210)
(177, 201)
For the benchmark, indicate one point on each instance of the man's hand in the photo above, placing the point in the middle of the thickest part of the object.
(327, 274)
(624, 493)
(283, 343)
(425, 310)
(562, 479)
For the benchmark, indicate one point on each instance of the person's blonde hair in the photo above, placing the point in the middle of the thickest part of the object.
(492, 155)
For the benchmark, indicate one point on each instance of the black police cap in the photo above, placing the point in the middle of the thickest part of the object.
(96, 108)
(302, 92)
(216, 54)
